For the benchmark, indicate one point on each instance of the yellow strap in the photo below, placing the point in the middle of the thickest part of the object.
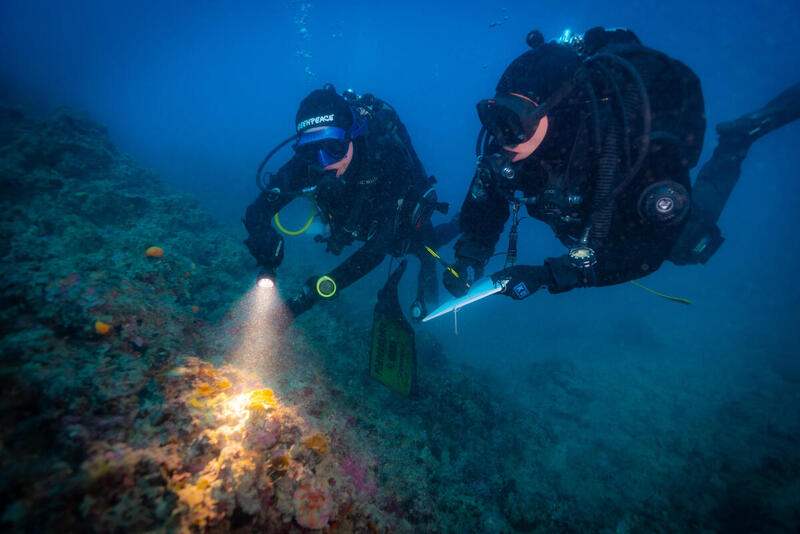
(301, 230)
(676, 299)
(435, 255)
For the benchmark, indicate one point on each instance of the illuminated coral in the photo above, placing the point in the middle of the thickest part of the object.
(279, 462)
(205, 389)
(261, 434)
(313, 505)
(317, 443)
(263, 398)
(222, 384)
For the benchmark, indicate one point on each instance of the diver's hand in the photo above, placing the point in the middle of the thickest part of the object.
(466, 274)
(522, 281)
(266, 248)
(305, 297)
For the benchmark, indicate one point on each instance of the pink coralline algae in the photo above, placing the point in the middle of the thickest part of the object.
(356, 469)
(262, 435)
(313, 505)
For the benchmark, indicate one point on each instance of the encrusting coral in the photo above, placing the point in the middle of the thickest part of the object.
(214, 468)
(317, 443)
(313, 505)
(102, 328)
(154, 252)
(279, 463)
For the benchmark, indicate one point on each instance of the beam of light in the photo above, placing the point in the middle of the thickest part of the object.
(236, 407)
(266, 283)
(253, 331)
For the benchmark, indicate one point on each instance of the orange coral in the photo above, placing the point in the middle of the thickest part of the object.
(154, 252)
(263, 398)
(102, 328)
(205, 389)
(279, 462)
(217, 383)
(317, 443)
(195, 309)
(222, 385)
(313, 505)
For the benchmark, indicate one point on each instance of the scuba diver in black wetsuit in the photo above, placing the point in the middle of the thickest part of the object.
(595, 135)
(354, 156)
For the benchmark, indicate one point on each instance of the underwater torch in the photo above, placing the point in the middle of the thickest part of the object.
(266, 279)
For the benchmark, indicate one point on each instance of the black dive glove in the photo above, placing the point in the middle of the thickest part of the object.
(467, 272)
(304, 298)
(522, 281)
(267, 249)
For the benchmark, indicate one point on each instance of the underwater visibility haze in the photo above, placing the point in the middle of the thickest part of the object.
(150, 384)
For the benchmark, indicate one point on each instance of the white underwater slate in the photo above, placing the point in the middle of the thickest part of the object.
(479, 290)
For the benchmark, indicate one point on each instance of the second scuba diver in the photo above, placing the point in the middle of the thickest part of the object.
(354, 156)
(595, 135)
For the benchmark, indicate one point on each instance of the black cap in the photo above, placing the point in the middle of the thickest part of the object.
(323, 107)
(540, 72)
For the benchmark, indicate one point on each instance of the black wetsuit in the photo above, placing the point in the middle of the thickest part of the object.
(587, 178)
(371, 203)
(718, 176)
(588, 190)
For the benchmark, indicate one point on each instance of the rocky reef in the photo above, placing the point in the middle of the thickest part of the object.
(110, 287)
(147, 386)
(126, 406)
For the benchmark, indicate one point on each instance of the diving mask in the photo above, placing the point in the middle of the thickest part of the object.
(324, 146)
(510, 118)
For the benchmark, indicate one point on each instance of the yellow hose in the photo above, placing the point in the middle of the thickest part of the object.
(301, 230)
(676, 299)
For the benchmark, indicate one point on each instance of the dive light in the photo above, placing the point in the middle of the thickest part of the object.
(266, 280)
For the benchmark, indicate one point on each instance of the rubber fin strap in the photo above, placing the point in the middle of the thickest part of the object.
(663, 296)
(393, 357)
